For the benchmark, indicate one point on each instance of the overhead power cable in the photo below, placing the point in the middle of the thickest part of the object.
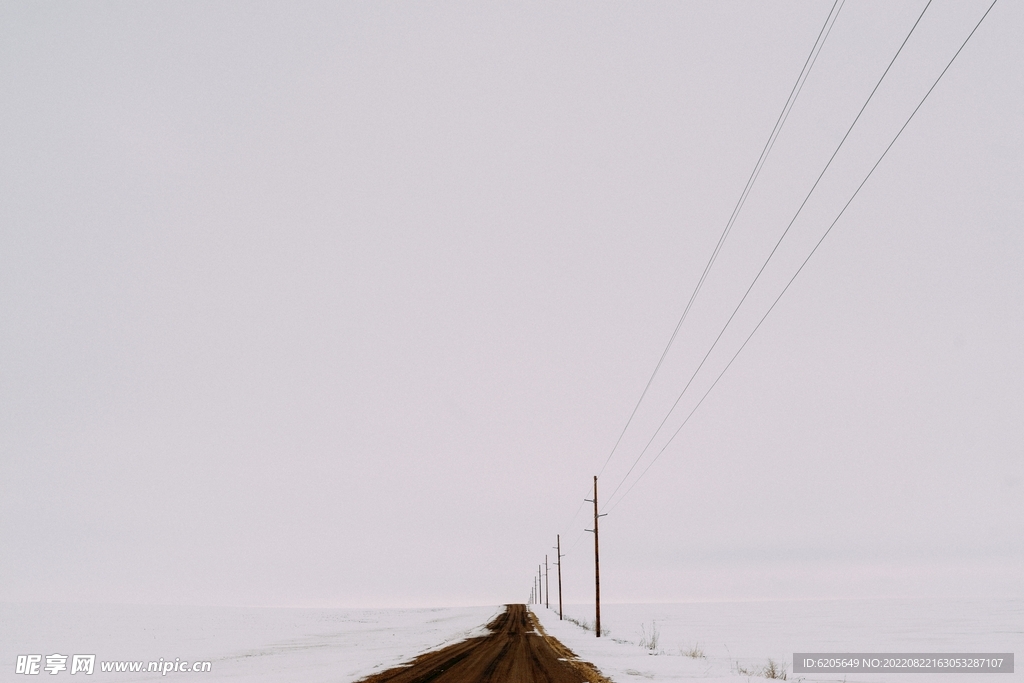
(812, 56)
(815, 249)
(794, 93)
(773, 252)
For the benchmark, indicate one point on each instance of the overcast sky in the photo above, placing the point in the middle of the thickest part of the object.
(344, 304)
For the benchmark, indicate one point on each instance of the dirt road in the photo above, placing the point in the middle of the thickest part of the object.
(516, 651)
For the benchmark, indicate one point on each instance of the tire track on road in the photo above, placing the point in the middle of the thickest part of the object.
(516, 651)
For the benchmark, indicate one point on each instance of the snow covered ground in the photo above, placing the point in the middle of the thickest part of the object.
(743, 636)
(242, 643)
(344, 645)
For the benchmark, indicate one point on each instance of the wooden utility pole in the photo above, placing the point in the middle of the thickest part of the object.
(547, 585)
(540, 587)
(558, 549)
(597, 567)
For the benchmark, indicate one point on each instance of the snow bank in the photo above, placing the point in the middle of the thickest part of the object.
(733, 638)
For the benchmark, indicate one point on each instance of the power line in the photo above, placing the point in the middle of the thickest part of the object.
(794, 93)
(815, 249)
(773, 251)
(812, 56)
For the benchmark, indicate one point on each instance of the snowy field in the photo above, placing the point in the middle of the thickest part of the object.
(242, 644)
(344, 645)
(742, 636)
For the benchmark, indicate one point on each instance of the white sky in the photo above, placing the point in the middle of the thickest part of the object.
(344, 304)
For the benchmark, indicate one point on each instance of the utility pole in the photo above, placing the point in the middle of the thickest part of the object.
(558, 549)
(597, 566)
(540, 587)
(547, 585)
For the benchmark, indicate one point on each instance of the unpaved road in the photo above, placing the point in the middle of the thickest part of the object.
(514, 652)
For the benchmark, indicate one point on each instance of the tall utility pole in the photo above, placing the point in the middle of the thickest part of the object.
(547, 585)
(597, 567)
(540, 587)
(558, 549)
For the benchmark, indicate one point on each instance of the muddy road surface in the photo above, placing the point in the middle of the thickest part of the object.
(516, 651)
